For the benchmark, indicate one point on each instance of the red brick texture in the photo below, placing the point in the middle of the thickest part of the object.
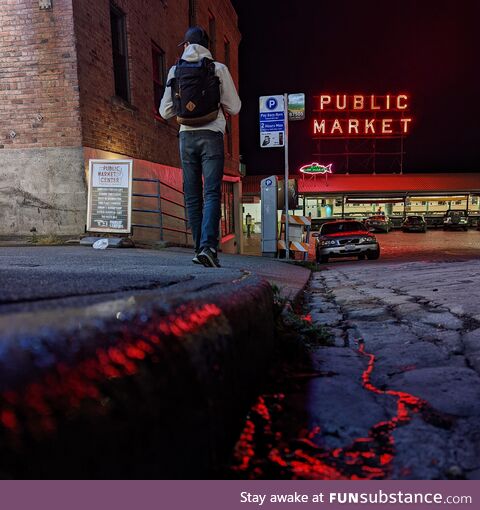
(132, 129)
(39, 98)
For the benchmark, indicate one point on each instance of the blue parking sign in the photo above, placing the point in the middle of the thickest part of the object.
(272, 121)
(271, 103)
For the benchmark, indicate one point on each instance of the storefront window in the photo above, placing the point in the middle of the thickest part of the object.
(228, 210)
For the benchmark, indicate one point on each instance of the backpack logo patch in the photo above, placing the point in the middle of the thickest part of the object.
(190, 106)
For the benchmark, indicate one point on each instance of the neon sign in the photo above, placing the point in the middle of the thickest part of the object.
(361, 115)
(316, 168)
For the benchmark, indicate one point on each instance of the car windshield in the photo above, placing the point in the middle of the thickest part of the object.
(342, 227)
(456, 213)
(414, 219)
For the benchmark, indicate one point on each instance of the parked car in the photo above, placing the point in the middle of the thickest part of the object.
(379, 223)
(434, 221)
(345, 238)
(414, 224)
(455, 220)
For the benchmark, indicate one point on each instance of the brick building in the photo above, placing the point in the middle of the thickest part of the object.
(82, 79)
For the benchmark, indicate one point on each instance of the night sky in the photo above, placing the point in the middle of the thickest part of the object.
(429, 49)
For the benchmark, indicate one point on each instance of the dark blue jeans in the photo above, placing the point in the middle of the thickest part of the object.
(202, 155)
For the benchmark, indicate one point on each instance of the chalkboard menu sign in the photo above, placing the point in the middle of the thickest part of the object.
(110, 196)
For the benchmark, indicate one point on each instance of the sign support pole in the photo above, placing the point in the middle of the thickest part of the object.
(285, 187)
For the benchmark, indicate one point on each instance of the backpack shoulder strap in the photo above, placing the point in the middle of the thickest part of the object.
(208, 62)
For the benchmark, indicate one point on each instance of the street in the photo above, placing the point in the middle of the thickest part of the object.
(398, 395)
(433, 245)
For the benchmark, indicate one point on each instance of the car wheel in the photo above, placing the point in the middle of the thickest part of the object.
(374, 255)
(361, 257)
(465, 229)
(324, 259)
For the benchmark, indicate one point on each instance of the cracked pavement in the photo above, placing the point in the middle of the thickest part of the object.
(420, 324)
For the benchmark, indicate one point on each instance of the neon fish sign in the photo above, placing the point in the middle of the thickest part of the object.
(316, 168)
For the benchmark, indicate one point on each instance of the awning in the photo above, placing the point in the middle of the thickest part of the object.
(367, 200)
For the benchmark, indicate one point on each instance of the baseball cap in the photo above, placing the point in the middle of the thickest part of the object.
(195, 35)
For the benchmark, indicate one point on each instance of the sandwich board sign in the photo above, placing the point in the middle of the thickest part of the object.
(110, 196)
(272, 121)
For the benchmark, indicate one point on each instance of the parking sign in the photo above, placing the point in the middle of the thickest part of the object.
(272, 121)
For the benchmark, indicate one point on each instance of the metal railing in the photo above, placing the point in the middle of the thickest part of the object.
(159, 199)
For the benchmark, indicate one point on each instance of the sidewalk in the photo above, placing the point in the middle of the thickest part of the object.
(130, 363)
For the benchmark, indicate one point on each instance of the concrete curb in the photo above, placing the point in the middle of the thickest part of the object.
(156, 392)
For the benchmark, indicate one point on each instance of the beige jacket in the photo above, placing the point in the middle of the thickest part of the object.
(228, 93)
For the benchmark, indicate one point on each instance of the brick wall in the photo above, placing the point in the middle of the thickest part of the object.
(131, 129)
(42, 180)
(39, 99)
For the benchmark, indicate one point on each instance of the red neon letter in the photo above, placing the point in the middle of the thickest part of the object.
(369, 127)
(336, 126)
(353, 125)
(325, 100)
(399, 106)
(358, 102)
(405, 124)
(372, 104)
(344, 105)
(319, 128)
(387, 126)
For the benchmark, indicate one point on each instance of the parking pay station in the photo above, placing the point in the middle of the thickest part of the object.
(269, 189)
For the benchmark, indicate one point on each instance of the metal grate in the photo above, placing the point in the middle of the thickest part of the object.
(349, 241)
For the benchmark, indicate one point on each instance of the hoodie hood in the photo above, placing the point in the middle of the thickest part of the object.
(195, 52)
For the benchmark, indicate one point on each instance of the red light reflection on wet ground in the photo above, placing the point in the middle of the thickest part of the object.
(264, 453)
(65, 388)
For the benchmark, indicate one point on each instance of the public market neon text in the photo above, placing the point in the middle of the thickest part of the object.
(362, 115)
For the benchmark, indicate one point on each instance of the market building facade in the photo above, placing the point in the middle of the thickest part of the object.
(82, 80)
(356, 167)
(357, 196)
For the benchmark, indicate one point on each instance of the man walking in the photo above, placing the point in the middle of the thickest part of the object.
(198, 92)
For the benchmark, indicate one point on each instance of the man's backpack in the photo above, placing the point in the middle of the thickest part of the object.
(195, 92)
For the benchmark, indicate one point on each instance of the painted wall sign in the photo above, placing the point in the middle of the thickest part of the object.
(110, 196)
(368, 116)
